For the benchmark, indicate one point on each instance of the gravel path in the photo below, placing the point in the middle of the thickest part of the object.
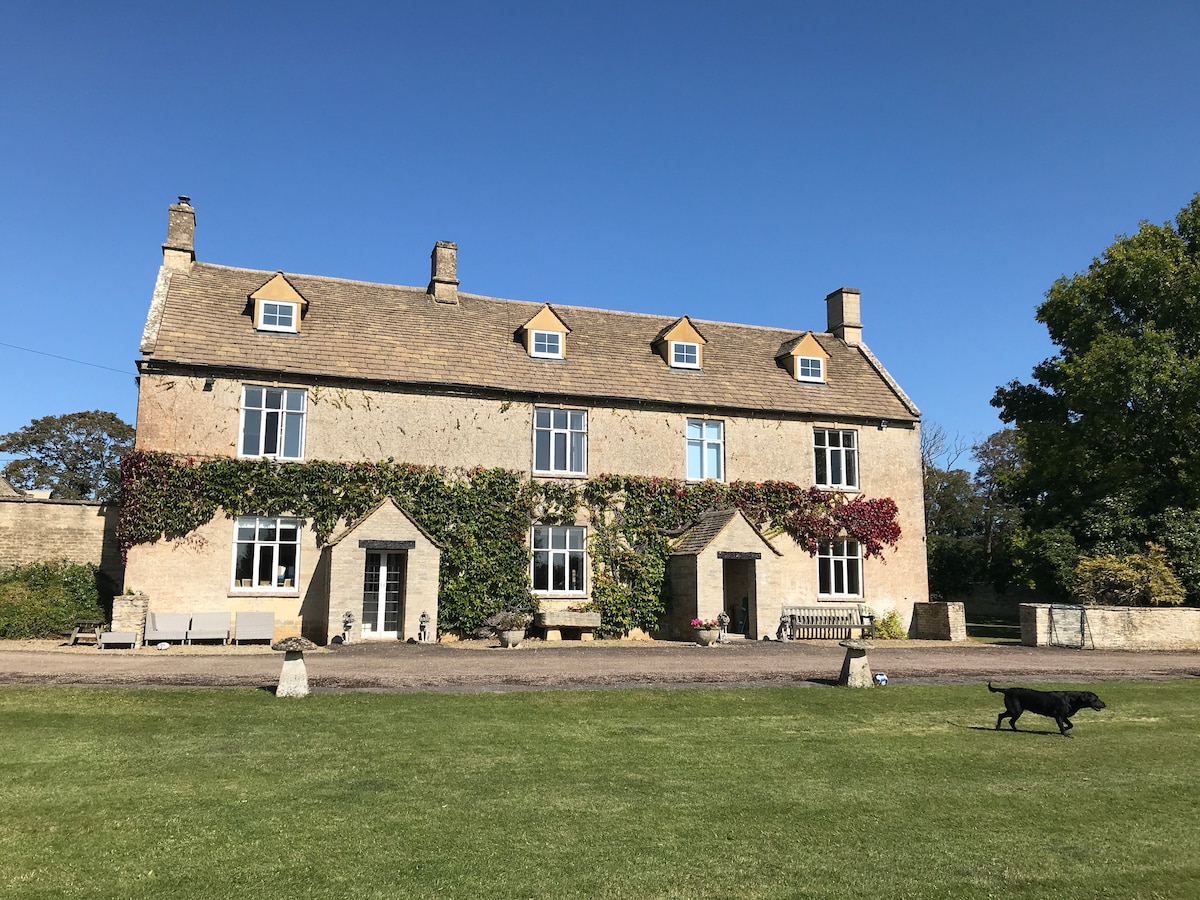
(535, 665)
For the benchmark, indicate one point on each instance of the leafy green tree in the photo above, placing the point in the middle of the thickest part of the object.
(76, 456)
(1110, 426)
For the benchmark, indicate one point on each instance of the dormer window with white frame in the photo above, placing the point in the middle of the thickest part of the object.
(546, 344)
(680, 345)
(545, 335)
(278, 306)
(276, 316)
(804, 359)
(685, 355)
(810, 368)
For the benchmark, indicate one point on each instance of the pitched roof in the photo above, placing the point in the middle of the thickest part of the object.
(710, 524)
(401, 336)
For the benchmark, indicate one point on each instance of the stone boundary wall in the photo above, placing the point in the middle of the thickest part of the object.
(82, 531)
(939, 622)
(1111, 627)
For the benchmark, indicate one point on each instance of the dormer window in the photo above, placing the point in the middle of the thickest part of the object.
(278, 306)
(545, 335)
(274, 316)
(810, 368)
(804, 358)
(685, 355)
(546, 344)
(680, 345)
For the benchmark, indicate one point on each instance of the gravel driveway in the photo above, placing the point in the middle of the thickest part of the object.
(482, 666)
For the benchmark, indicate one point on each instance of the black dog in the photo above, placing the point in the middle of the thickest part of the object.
(1058, 705)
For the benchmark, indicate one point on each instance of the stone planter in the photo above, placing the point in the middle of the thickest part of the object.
(510, 639)
(706, 637)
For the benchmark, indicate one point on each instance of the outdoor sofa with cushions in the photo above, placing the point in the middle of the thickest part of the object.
(212, 626)
(167, 627)
(254, 626)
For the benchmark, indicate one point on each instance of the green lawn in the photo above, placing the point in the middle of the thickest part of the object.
(904, 791)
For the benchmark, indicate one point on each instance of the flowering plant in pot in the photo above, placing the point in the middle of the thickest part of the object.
(507, 625)
(707, 630)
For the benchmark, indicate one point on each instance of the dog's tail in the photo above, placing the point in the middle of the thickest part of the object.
(995, 689)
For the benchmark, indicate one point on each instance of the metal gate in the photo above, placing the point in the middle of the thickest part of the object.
(1069, 627)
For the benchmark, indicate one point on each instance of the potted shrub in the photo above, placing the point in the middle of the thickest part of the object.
(507, 625)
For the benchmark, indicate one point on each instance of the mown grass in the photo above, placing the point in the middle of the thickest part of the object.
(898, 792)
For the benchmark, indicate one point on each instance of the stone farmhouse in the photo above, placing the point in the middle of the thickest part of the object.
(242, 363)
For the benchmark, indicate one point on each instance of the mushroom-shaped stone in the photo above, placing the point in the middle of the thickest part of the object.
(293, 680)
(856, 670)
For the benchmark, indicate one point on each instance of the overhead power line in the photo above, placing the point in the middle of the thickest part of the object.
(68, 359)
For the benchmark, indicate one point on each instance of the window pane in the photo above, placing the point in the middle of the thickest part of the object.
(713, 469)
(851, 468)
(822, 470)
(558, 538)
(271, 434)
(560, 418)
(243, 564)
(266, 565)
(287, 564)
(558, 572)
(578, 452)
(274, 399)
(823, 577)
(541, 571)
(578, 420)
(560, 451)
(266, 529)
(575, 573)
(541, 538)
(245, 529)
(575, 538)
(712, 431)
(852, 585)
(291, 435)
(839, 577)
(835, 466)
(695, 429)
(252, 433)
(695, 466)
(541, 451)
(254, 397)
(295, 401)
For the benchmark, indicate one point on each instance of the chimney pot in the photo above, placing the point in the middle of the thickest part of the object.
(443, 276)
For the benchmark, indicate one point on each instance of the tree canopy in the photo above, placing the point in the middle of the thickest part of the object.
(75, 456)
(1110, 425)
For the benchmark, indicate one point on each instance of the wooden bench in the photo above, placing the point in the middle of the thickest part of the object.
(86, 630)
(577, 624)
(826, 622)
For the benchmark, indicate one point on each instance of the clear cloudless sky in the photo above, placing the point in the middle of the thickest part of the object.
(728, 161)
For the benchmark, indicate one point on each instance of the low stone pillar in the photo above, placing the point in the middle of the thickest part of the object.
(129, 615)
(856, 670)
(293, 679)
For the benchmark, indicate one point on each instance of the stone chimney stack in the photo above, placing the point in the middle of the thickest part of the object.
(844, 319)
(179, 252)
(443, 280)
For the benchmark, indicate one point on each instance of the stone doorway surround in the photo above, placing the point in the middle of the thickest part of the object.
(387, 529)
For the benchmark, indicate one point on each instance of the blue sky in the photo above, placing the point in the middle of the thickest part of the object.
(721, 160)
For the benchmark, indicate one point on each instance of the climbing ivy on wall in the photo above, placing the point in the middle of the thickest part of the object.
(481, 518)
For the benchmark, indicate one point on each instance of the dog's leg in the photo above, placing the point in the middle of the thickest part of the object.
(1000, 720)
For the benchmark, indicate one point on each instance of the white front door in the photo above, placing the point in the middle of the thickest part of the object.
(383, 595)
